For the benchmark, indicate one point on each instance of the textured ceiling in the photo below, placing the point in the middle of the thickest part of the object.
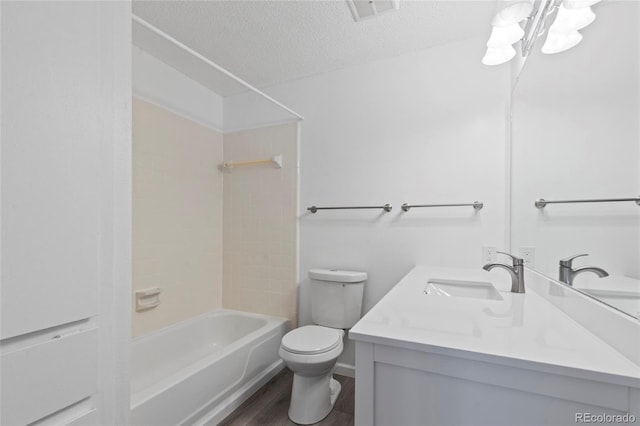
(268, 42)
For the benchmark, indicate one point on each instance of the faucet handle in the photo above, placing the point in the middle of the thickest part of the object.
(517, 261)
(567, 261)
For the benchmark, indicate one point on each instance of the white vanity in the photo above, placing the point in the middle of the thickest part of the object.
(470, 352)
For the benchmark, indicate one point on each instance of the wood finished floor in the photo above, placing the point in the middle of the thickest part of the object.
(269, 405)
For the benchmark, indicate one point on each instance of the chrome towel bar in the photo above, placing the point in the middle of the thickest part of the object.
(541, 202)
(477, 205)
(386, 208)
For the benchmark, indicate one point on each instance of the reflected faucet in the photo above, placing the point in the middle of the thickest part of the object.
(516, 271)
(567, 274)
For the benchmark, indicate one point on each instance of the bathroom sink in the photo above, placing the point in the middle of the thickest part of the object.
(467, 289)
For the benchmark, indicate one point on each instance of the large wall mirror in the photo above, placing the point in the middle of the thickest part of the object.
(576, 136)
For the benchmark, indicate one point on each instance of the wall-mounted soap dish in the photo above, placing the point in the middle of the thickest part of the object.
(147, 298)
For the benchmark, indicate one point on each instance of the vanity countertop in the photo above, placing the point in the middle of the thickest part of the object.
(522, 330)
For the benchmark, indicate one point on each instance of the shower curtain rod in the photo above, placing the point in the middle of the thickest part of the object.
(211, 64)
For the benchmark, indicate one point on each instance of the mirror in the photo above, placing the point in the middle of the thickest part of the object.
(576, 136)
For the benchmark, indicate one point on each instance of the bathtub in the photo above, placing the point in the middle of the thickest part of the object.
(199, 370)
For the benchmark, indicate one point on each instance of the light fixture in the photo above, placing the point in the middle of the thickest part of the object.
(563, 33)
(559, 42)
(522, 22)
(498, 55)
(505, 36)
(579, 4)
(569, 20)
(512, 12)
(506, 30)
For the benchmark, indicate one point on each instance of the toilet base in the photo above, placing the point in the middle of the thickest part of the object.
(312, 398)
(335, 387)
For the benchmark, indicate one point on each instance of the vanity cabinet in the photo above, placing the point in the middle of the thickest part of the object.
(397, 386)
(515, 361)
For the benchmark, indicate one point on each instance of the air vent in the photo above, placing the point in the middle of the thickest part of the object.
(365, 9)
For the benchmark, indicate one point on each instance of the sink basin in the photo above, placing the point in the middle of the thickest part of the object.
(456, 288)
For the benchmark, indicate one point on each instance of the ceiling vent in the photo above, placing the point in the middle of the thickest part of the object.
(365, 9)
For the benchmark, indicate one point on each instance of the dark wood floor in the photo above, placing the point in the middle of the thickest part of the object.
(269, 405)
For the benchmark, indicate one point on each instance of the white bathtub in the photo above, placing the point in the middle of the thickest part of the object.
(198, 371)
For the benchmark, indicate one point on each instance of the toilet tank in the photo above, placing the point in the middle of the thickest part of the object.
(336, 297)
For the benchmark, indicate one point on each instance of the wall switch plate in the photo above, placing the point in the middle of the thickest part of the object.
(528, 255)
(488, 254)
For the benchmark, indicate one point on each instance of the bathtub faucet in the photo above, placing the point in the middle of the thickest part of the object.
(516, 271)
(567, 274)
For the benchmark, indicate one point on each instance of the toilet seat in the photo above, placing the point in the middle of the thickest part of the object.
(312, 340)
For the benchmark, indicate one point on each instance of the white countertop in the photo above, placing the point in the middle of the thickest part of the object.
(522, 330)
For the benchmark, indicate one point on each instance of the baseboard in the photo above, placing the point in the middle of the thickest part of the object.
(345, 370)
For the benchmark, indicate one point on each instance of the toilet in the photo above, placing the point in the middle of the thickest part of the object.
(312, 351)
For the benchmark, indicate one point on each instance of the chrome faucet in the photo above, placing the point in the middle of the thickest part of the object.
(516, 271)
(567, 274)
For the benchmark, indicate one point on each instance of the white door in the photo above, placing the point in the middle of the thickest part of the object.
(65, 209)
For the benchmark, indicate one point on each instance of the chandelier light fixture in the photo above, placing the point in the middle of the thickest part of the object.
(524, 21)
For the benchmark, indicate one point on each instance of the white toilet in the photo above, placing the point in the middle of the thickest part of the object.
(311, 351)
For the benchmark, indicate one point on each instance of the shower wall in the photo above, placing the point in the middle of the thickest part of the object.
(260, 222)
(177, 215)
(180, 134)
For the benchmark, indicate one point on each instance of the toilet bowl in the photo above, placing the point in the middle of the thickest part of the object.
(311, 353)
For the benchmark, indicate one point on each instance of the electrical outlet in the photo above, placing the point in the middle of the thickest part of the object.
(529, 255)
(488, 254)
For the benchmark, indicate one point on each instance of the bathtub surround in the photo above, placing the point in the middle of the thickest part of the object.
(177, 216)
(268, 251)
(193, 363)
(260, 222)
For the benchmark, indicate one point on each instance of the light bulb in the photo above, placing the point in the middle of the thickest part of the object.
(579, 4)
(504, 36)
(498, 55)
(514, 12)
(569, 20)
(559, 42)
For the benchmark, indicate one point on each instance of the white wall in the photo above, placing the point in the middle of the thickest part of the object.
(428, 127)
(158, 83)
(66, 212)
(577, 136)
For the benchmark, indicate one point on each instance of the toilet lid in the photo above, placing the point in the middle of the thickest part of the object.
(311, 339)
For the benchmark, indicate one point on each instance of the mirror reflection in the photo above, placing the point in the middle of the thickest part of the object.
(576, 137)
